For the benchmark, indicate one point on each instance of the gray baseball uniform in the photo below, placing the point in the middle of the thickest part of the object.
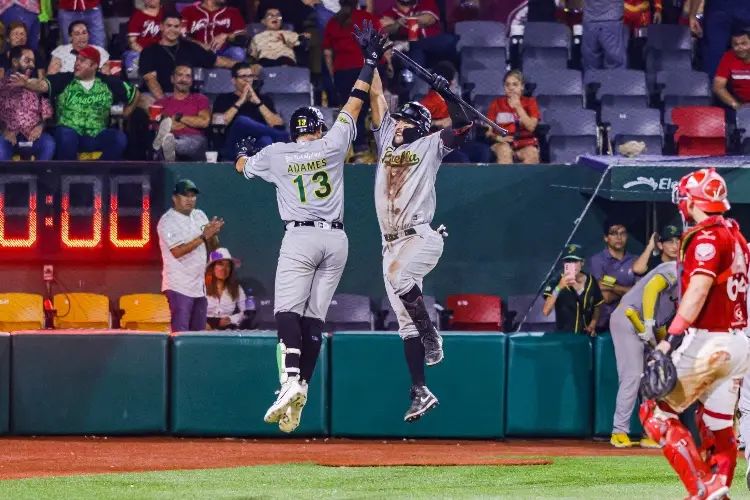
(309, 180)
(629, 347)
(405, 199)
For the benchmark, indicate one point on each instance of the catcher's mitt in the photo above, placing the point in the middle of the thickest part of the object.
(659, 376)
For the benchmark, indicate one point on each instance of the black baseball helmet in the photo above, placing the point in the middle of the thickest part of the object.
(416, 114)
(306, 120)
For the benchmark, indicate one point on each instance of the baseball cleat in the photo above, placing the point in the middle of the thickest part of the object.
(620, 440)
(647, 442)
(433, 347)
(715, 489)
(422, 401)
(291, 418)
(290, 393)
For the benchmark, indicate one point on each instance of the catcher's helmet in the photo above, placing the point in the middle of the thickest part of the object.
(306, 120)
(416, 114)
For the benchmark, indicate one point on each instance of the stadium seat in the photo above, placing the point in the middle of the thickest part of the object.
(701, 130)
(634, 124)
(329, 115)
(564, 90)
(218, 81)
(21, 311)
(540, 58)
(676, 61)
(743, 129)
(289, 87)
(147, 312)
(480, 34)
(668, 37)
(391, 322)
(572, 132)
(349, 312)
(264, 318)
(536, 321)
(486, 86)
(687, 88)
(474, 312)
(418, 89)
(81, 310)
(481, 58)
(618, 87)
(545, 44)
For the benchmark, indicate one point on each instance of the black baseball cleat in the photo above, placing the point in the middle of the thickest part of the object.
(422, 401)
(433, 347)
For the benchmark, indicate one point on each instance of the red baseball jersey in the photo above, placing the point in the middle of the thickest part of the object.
(202, 25)
(145, 27)
(716, 248)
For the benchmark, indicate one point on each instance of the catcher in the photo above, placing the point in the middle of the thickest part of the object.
(705, 353)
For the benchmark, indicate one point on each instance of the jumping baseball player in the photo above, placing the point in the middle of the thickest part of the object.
(705, 354)
(309, 178)
(408, 161)
(653, 298)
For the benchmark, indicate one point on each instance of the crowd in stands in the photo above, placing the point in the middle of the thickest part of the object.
(578, 76)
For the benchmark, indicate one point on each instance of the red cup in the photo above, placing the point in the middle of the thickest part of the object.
(115, 67)
(154, 112)
(413, 26)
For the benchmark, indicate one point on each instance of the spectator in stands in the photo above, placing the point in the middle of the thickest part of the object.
(324, 11)
(64, 57)
(247, 112)
(25, 12)
(662, 247)
(637, 14)
(574, 295)
(186, 116)
(215, 27)
(275, 46)
(344, 61)
(185, 238)
(471, 151)
(604, 40)
(613, 269)
(18, 36)
(158, 61)
(87, 11)
(734, 69)
(84, 99)
(519, 115)
(721, 17)
(22, 112)
(226, 300)
(143, 30)
(423, 15)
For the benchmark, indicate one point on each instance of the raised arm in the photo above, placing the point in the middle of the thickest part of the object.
(378, 104)
(373, 44)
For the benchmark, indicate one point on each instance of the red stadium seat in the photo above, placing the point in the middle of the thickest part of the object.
(701, 131)
(474, 312)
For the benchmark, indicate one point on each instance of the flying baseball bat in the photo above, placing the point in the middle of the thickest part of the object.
(430, 78)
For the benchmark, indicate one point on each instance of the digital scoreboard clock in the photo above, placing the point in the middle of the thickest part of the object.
(89, 211)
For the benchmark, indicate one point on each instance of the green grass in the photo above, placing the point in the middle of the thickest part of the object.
(601, 478)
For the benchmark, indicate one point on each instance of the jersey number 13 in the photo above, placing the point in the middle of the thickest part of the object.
(321, 179)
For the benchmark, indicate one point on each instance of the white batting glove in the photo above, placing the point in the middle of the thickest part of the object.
(648, 333)
(441, 231)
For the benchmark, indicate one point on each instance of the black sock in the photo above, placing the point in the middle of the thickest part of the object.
(290, 334)
(312, 338)
(414, 350)
(417, 310)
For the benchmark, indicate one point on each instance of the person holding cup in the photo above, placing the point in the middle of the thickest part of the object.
(574, 295)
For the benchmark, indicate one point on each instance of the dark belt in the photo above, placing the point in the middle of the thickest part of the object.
(316, 223)
(394, 236)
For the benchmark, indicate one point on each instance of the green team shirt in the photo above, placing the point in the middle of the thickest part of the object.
(87, 110)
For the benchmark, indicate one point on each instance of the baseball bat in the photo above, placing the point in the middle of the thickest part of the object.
(632, 315)
(430, 79)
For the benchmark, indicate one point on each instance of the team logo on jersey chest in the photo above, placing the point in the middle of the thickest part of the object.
(404, 159)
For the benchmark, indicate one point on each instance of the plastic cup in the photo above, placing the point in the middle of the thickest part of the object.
(154, 112)
(413, 27)
(115, 67)
(212, 156)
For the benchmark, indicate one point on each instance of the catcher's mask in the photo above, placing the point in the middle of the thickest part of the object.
(419, 116)
(306, 120)
(659, 376)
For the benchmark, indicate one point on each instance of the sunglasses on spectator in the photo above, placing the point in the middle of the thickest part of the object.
(618, 233)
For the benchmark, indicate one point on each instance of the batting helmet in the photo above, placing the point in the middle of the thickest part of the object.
(306, 120)
(706, 189)
(416, 114)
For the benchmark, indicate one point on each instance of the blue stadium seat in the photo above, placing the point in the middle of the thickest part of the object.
(657, 61)
(668, 37)
(541, 57)
(218, 81)
(684, 88)
(546, 35)
(488, 85)
(349, 312)
(619, 87)
(572, 132)
(481, 58)
(480, 34)
(564, 90)
(635, 124)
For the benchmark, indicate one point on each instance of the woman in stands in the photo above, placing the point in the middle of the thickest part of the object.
(226, 300)
(519, 115)
(18, 36)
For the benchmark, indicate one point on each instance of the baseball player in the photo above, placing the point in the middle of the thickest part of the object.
(653, 298)
(408, 161)
(705, 354)
(309, 178)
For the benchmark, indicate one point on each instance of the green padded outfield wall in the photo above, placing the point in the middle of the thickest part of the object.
(550, 385)
(4, 382)
(605, 389)
(504, 233)
(370, 387)
(89, 382)
(222, 383)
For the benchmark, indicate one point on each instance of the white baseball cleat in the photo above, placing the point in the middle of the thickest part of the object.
(290, 392)
(291, 418)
